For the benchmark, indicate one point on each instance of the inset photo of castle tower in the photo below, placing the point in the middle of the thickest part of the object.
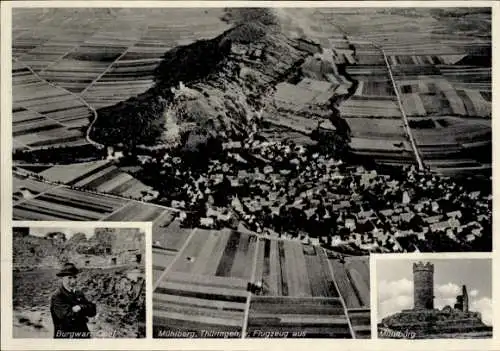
(438, 298)
(79, 281)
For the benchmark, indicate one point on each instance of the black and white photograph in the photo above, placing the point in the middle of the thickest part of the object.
(274, 149)
(78, 283)
(442, 298)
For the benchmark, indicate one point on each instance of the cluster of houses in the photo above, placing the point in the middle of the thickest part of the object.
(286, 190)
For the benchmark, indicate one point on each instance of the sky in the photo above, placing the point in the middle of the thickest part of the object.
(89, 232)
(395, 284)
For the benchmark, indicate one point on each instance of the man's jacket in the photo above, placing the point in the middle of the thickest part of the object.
(69, 324)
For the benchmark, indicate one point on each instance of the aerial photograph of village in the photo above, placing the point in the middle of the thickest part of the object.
(273, 149)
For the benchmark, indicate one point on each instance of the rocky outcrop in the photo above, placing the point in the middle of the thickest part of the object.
(119, 295)
(208, 89)
(123, 296)
(432, 322)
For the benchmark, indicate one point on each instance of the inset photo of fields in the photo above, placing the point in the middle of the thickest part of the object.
(79, 282)
(434, 298)
(228, 284)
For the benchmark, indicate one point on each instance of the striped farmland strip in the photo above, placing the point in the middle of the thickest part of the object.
(211, 239)
(360, 285)
(54, 201)
(288, 268)
(300, 317)
(170, 234)
(126, 188)
(84, 211)
(212, 262)
(77, 199)
(343, 282)
(27, 211)
(94, 175)
(259, 270)
(212, 281)
(305, 301)
(118, 179)
(361, 322)
(304, 287)
(202, 291)
(298, 320)
(70, 174)
(138, 212)
(227, 260)
(243, 258)
(108, 174)
(189, 301)
(199, 318)
(282, 271)
(274, 282)
(200, 312)
(293, 307)
(190, 255)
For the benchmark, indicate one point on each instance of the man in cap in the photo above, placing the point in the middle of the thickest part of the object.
(69, 308)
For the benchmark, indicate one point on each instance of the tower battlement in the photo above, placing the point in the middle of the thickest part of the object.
(420, 266)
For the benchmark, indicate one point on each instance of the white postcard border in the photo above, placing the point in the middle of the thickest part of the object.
(8, 343)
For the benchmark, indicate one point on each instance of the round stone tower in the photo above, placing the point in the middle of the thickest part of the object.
(423, 286)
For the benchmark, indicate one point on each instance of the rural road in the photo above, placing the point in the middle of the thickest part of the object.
(418, 159)
(341, 298)
(405, 118)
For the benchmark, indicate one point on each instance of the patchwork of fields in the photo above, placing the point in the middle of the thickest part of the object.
(373, 113)
(433, 63)
(101, 176)
(123, 80)
(204, 287)
(297, 317)
(202, 277)
(438, 93)
(436, 74)
(412, 31)
(80, 59)
(44, 115)
(456, 145)
(108, 60)
(351, 278)
(36, 200)
(94, 58)
(290, 269)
